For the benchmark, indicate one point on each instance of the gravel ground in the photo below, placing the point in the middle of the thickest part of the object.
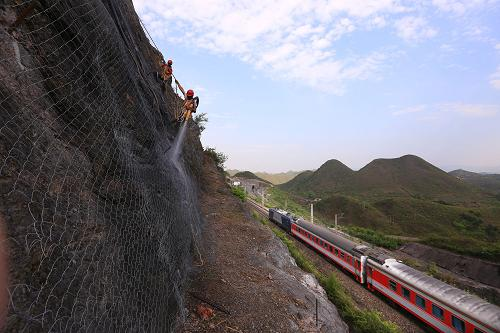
(245, 279)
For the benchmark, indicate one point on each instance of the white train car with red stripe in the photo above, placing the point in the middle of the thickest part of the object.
(441, 306)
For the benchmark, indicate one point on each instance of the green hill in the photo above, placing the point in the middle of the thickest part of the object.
(405, 196)
(249, 175)
(487, 182)
(407, 176)
(332, 176)
(411, 175)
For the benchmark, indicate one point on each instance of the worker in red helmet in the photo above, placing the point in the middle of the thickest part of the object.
(167, 71)
(190, 103)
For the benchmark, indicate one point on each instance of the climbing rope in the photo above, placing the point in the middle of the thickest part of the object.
(150, 38)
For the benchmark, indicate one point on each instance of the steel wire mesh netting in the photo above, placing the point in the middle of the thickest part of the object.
(100, 220)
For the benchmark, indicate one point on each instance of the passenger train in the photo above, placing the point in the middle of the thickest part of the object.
(439, 305)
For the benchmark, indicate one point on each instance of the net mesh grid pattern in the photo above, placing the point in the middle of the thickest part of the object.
(101, 220)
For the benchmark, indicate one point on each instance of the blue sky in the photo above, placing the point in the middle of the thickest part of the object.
(288, 85)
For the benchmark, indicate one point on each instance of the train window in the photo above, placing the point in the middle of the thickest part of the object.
(420, 301)
(342, 255)
(336, 252)
(476, 330)
(393, 285)
(458, 324)
(406, 293)
(437, 312)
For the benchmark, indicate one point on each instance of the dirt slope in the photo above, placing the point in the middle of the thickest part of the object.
(247, 271)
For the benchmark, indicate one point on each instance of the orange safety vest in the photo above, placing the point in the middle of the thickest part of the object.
(167, 70)
(189, 105)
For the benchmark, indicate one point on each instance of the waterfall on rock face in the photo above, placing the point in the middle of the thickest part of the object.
(177, 146)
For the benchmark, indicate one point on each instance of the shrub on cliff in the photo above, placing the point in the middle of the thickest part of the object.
(218, 157)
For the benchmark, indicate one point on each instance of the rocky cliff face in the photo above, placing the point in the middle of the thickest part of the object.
(100, 221)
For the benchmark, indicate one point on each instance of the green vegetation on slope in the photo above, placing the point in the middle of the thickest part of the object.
(374, 237)
(362, 321)
(239, 192)
(218, 157)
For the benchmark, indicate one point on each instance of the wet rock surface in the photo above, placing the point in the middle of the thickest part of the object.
(100, 220)
(247, 272)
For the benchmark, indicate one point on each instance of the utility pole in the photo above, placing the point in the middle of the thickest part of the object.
(262, 193)
(338, 216)
(286, 204)
(312, 213)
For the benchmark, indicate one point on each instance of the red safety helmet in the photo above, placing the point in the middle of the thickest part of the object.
(190, 93)
(169, 62)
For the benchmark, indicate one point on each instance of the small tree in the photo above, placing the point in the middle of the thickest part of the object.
(201, 120)
(218, 157)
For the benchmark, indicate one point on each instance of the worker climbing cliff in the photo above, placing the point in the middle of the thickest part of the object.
(190, 103)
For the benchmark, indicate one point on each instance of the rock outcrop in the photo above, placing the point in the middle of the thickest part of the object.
(100, 221)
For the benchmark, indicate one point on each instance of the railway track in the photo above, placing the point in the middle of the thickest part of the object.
(260, 209)
(362, 296)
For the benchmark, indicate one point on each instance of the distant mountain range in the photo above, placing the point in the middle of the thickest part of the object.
(274, 178)
(486, 181)
(249, 175)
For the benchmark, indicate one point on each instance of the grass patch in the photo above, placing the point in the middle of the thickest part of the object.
(239, 192)
(281, 199)
(374, 237)
(359, 321)
(467, 246)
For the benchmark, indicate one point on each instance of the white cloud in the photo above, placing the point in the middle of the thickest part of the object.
(411, 109)
(495, 79)
(292, 39)
(497, 47)
(414, 29)
(447, 48)
(435, 111)
(471, 110)
(460, 7)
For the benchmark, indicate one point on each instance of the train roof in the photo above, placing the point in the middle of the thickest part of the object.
(472, 306)
(328, 235)
(282, 212)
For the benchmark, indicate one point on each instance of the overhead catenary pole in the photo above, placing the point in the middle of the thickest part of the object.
(336, 221)
(312, 213)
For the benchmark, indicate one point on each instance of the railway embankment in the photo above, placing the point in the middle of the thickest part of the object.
(245, 279)
(356, 302)
(478, 276)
